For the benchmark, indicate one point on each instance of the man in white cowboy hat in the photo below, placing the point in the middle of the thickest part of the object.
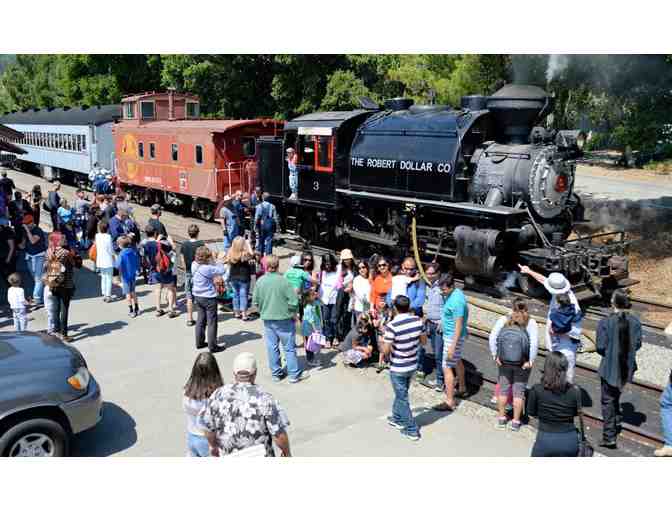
(557, 285)
(292, 160)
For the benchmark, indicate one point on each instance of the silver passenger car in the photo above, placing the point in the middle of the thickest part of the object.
(47, 395)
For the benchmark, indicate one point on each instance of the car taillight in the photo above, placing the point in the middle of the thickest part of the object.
(561, 183)
(80, 381)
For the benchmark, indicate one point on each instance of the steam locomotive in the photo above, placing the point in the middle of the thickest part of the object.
(485, 186)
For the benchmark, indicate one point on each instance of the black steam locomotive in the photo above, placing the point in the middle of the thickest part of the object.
(485, 186)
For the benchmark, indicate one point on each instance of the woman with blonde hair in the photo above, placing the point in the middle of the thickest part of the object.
(513, 344)
(240, 258)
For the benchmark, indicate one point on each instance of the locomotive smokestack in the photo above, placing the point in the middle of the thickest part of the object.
(517, 109)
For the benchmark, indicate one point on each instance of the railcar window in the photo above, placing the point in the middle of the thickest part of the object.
(147, 109)
(78, 143)
(249, 146)
(174, 152)
(152, 150)
(128, 110)
(324, 151)
(141, 150)
(83, 142)
(199, 154)
(192, 109)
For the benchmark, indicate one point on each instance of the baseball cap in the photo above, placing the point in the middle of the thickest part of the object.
(155, 208)
(245, 362)
(290, 150)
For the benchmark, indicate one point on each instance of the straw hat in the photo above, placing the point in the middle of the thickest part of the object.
(346, 255)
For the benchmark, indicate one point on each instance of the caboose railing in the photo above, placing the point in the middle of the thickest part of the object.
(244, 171)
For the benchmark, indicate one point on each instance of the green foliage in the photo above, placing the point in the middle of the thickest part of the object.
(343, 91)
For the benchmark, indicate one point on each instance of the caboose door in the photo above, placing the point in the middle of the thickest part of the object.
(270, 165)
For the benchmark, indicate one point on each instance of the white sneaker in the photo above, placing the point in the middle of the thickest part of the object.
(665, 451)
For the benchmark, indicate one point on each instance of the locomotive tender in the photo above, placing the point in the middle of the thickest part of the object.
(485, 186)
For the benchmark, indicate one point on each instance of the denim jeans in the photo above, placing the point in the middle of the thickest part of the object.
(329, 321)
(240, 295)
(51, 304)
(35, 265)
(197, 446)
(106, 274)
(20, 319)
(265, 243)
(275, 333)
(206, 317)
(666, 414)
(436, 338)
(401, 408)
(294, 180)
(556, 444)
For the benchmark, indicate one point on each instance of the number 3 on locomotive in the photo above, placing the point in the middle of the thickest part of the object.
(316, 186)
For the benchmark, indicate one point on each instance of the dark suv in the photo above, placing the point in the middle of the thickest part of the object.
(46, 395)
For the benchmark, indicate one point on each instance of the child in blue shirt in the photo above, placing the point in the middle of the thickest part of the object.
(129, 264)
(312, 323)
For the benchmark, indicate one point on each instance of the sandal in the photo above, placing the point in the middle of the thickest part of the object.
(172, 314)
(160, 313)
(191, 323)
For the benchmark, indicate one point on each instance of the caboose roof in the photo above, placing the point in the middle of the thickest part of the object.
(163, 95)
(207, 125)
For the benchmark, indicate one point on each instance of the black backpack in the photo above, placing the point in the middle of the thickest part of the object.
(513, 346)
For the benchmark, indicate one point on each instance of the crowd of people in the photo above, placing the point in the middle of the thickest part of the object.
(372, 311)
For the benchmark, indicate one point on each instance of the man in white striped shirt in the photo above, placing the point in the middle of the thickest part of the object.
(403, 336)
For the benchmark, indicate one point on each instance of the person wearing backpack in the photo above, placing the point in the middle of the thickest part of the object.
(514, 342)
(266, 222)
(158, 256)
(59, 270)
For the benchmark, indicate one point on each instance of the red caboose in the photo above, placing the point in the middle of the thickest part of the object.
(165, 154)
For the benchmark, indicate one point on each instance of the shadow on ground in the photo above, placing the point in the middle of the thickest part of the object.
(115, 433)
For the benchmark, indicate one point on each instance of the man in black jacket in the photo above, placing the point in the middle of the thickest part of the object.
(53, 203)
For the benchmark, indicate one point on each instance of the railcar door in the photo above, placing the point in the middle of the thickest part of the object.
(270, 165)
(316, 165)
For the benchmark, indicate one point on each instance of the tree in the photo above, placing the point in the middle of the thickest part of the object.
(343, 91)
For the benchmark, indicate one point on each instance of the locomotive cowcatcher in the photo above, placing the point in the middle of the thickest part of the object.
(166, 154)
(484, 187)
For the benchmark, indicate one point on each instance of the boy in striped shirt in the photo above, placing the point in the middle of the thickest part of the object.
(403, 336)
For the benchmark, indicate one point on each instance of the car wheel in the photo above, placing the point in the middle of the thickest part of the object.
(34, 438)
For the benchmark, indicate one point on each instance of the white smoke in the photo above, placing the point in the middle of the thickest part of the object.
(556, 65)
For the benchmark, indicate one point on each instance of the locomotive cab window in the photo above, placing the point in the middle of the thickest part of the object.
(249, 146)
(323, 159)
(174, 152)
(147, 109)
(141, 150)
(199, 154)
(307, 152)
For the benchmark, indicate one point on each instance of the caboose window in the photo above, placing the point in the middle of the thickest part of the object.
(199, 154)
(249, 146)
(174, 152)
(128, 110)
(192, 109)
(152, 150)
(147, 109)
(141, 150)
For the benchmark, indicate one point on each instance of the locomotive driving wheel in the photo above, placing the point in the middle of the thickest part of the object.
(203, 209)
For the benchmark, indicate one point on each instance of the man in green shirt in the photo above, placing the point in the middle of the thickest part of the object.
(277, 303)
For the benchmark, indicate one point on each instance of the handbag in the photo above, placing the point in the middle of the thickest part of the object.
(585, 448)
(315, 342)
(93, 252)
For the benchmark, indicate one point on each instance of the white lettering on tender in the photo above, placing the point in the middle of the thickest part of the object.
(412, 166)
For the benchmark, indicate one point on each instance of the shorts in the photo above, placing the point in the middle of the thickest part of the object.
(187, 286)
(447, 342)
(162, 278)
(515, 376)
(127, 287)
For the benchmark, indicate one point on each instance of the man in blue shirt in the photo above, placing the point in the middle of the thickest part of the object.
(454, 320)
(118, 227)
(433, 318)
(229, 221)
(266, 221)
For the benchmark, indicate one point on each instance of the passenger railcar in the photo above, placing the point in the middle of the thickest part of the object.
(166, 154)
(65, 143)
(485, 187)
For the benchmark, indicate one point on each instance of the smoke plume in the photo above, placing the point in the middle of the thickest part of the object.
(556, 65)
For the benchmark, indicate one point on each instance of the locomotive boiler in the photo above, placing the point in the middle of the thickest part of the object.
(485, 186)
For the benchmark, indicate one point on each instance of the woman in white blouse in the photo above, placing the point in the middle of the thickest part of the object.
(105, 260)
(330, 282)
(361, 290)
